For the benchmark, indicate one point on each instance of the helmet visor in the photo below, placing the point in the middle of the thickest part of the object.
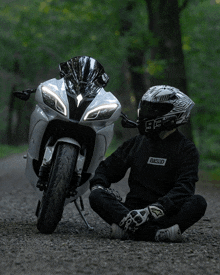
(150, 110)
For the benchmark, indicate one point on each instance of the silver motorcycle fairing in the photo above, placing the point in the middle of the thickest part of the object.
(102, 98)
(42, 116)
(58, 87)
(101, 144)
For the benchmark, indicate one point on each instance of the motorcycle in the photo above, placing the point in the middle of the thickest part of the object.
(71, 128)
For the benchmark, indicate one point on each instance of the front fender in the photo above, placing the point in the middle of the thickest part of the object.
(48, 155)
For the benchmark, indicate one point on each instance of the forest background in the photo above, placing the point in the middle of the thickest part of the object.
(140, 43)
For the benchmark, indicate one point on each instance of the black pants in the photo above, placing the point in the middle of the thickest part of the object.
(112, 211)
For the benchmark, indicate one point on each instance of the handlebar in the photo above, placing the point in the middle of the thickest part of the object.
(24, 95)
(127, 123)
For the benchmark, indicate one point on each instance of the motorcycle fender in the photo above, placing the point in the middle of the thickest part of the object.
(48, 155)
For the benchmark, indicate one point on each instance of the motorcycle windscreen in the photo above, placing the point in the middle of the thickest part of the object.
(83, 75)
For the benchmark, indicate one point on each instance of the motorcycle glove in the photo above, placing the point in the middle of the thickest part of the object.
(135, 218)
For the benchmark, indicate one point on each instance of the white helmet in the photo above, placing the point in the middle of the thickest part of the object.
(163, 108)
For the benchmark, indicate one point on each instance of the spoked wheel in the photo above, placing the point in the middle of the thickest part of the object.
(52, 204)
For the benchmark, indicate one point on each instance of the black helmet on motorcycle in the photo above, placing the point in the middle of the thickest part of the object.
(163, 108)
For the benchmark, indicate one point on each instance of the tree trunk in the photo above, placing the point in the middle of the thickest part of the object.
(136, 56)
(164, 23)
(136, 59)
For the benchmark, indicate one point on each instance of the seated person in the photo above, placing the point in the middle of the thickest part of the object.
(163, 164)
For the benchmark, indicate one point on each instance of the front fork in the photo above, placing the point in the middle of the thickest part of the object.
(47, 161)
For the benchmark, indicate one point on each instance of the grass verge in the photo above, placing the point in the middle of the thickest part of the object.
(7, 150)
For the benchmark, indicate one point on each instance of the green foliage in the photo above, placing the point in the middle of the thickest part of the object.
(45, 33)
(201, 32)
(37, 36)
(41, 34)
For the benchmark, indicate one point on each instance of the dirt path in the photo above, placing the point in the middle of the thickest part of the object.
(72, 249)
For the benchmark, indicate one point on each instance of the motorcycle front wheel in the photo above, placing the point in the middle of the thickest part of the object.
(52, 203)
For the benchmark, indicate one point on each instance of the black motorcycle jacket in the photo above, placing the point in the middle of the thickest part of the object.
(163, 171)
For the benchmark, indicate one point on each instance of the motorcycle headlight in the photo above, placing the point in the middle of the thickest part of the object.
(53, 101)
(101, 112)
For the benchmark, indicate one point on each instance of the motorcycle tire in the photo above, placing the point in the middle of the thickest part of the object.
(52, 203)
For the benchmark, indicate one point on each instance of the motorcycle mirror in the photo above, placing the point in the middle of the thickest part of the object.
(24, 95)
(127, 123)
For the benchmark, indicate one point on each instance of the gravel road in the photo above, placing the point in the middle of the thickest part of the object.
(72, 249)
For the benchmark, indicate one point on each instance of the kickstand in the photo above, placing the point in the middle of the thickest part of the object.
(81, 214)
